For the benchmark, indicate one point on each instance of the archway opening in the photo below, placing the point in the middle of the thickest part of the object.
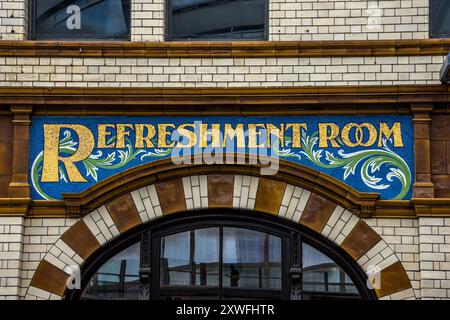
(222, 254)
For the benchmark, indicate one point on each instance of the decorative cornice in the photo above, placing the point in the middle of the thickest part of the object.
(219, 49)
(245, 101)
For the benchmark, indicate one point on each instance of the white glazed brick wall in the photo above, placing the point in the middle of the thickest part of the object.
(227, 72)
(196, 192)
(244, 192)
(147, 20)
(288, 20)
(11, 242)
(402, 236)
(339, 225)
(39, 237)
(101, 225)
(434, 235)
(13, 19)
(147, 203)
(293, 203)
(301, 20)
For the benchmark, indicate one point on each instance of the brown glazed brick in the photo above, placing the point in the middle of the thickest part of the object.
(6, 131)
(269, 195)
(448, 157)
(421, 130)
(81, 240)
(22, 133)
(441, 186)
(423, 191)
(5, 157)
(438, 157)
(4, 185)
(50, 278)
(171, 196)
(393, 279)
(220, 190)
(360, 240)
(422, 155)
(440, 128)
(124, 213)
(317, 212)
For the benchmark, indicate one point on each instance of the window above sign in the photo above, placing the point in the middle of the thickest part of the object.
(217, 19)
(80, 19)
(439, 19)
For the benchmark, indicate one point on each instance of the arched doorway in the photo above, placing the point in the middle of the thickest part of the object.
(143, 196)
(222, 254)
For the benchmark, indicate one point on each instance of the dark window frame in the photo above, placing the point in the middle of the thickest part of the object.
(169, 37)
(237, 218)
(33, 36)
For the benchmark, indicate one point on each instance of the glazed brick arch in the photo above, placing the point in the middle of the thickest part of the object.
(219, 190)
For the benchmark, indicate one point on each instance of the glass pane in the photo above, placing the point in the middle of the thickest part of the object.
(251, 259)
(82, 19)
(322, 274)
(190, 258)
(215, 20)
(118, 278)
(439, 18)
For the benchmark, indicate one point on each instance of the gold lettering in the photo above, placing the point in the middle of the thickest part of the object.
(122, 133)
(273, 130)
(50, 172)
(214, 133)
(188, 134)
(103, 134)
(359, 135)
(162, 135)
(147, 139)
(324, 137)
(387, 132)
(296, 133)
(254, 134)
(232, 133)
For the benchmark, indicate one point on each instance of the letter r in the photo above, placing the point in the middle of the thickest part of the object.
(50, 172)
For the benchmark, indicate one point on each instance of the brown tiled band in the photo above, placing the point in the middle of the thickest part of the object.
(171, 196)
(220, 190)
(220, 49)
(81, 239)
(124, 213)
(395, 99)
(360, 240)
(269, 195)
(317, 212)
(393, 279)
(50, 278)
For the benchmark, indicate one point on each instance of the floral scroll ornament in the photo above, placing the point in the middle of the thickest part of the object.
(370, 162)
(95, 161)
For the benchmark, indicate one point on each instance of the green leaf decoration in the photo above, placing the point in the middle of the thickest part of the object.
(368, 161)
(113, 160)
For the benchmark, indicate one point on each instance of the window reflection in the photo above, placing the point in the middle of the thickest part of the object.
(190, 258)
(118, 278)
(322, 274)
(439, 18)
(217, 19)
(251, 259)
(82, 19)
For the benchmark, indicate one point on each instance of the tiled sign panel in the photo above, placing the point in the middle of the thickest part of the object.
(369, 153)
